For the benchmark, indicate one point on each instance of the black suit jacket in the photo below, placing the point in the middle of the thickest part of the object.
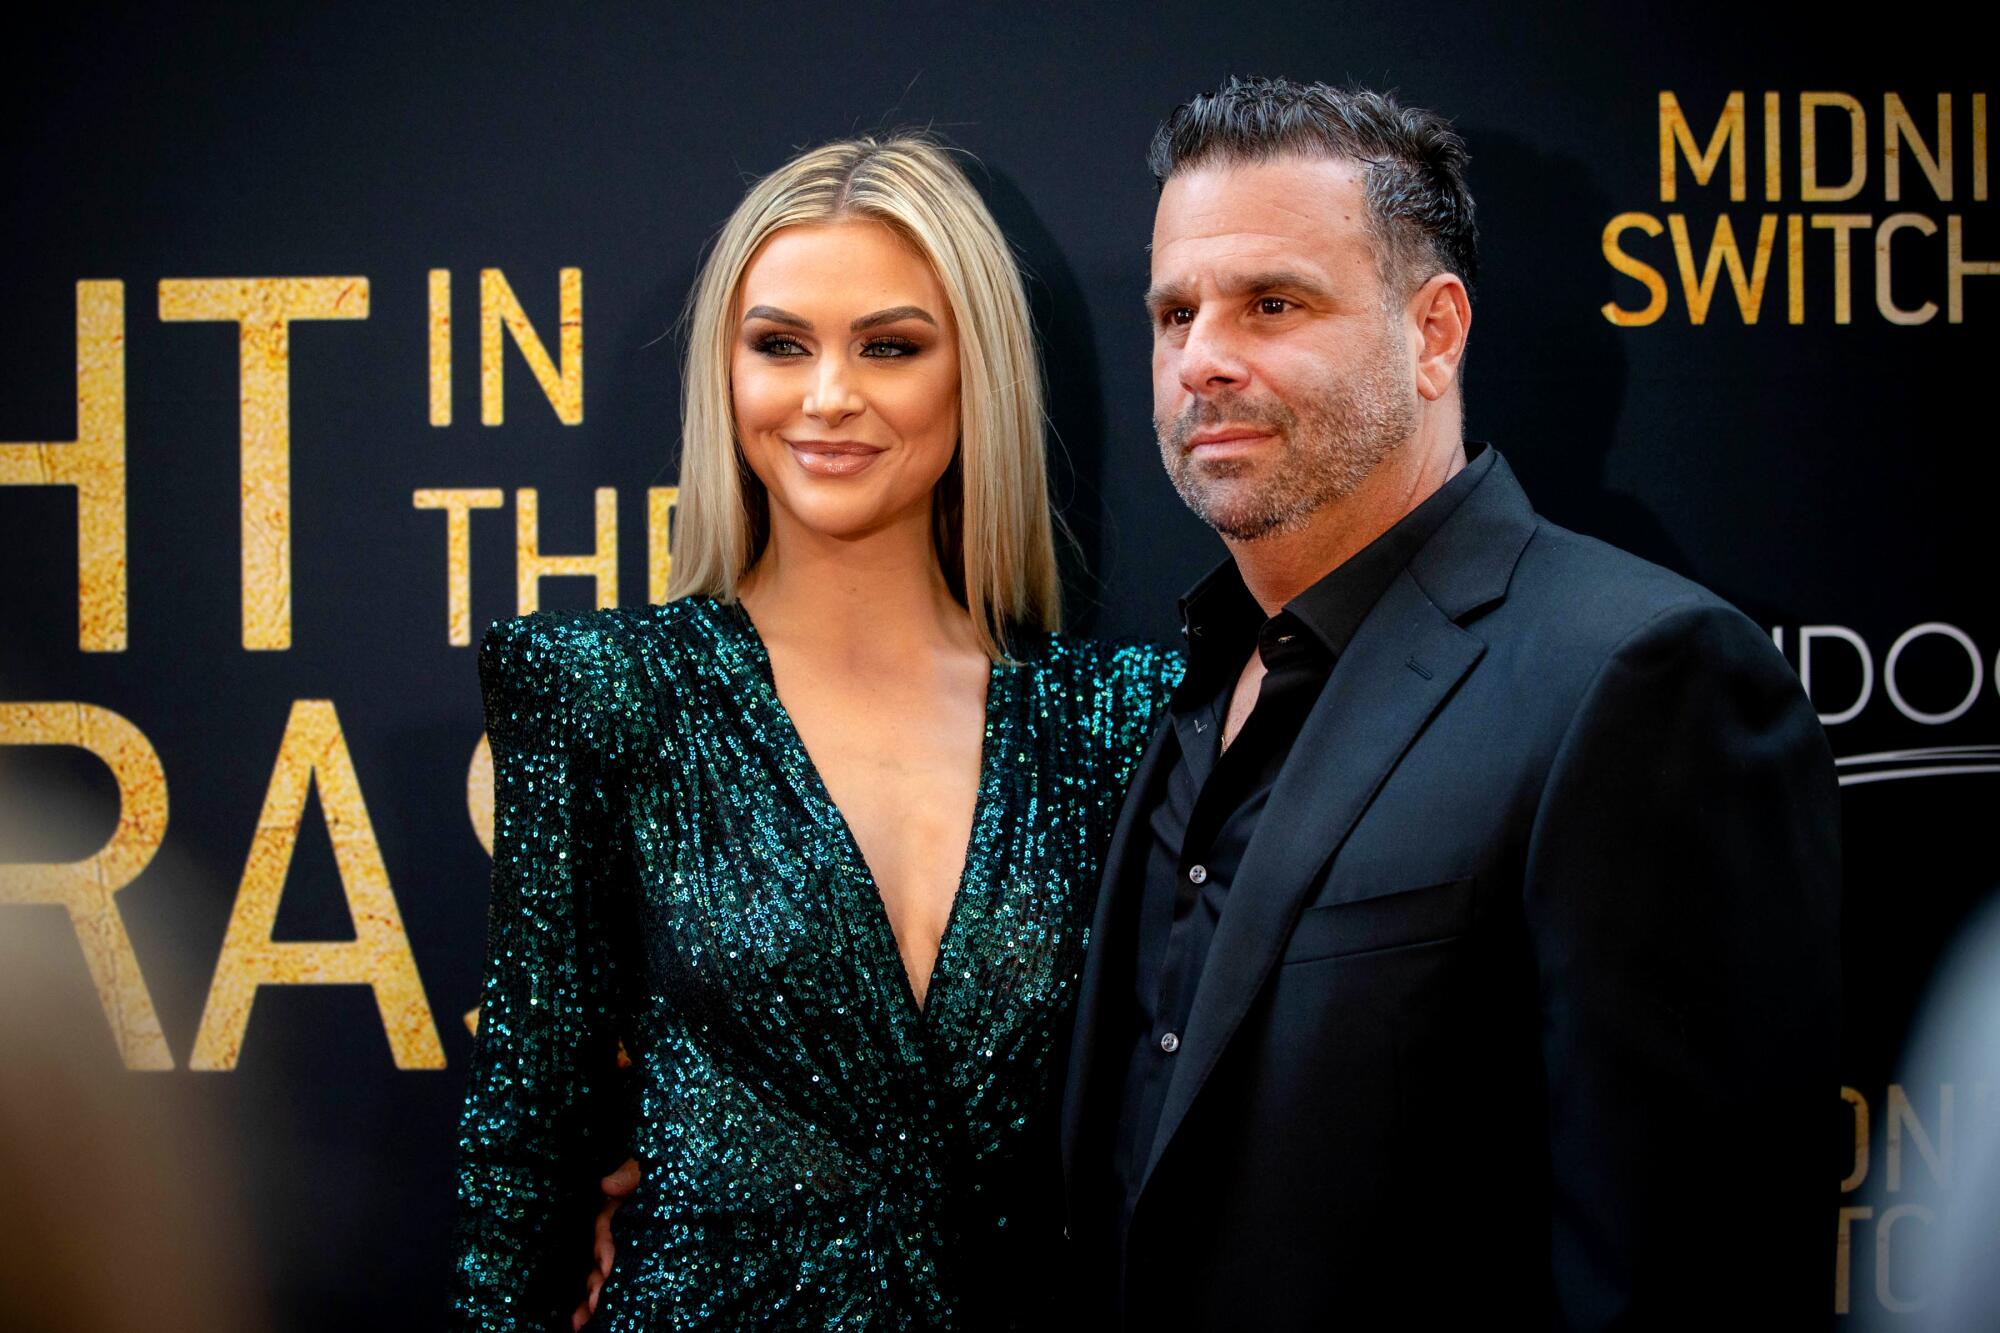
(1524, 1005)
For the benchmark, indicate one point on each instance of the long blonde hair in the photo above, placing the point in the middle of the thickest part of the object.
(991, 525)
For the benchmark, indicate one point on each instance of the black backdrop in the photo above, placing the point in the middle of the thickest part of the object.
(1818, 473)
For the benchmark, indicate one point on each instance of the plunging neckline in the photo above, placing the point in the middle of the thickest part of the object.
(831, 816)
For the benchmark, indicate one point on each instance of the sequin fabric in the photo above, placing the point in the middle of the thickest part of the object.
(817, 1151)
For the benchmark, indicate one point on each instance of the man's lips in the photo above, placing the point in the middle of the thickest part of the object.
(833, 458)
(1225, 439)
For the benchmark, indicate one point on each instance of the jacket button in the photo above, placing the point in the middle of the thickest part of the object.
(1169, 1043)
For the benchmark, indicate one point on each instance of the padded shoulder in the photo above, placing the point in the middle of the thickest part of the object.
(566, 679)
(1146, 673)
(1117, 687)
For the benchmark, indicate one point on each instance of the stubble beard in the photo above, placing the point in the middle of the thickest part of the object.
(1324, 451)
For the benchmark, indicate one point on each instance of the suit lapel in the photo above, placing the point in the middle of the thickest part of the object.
(1118, 885)
(1404, 661)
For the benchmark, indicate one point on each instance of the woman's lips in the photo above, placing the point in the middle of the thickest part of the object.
(833, 458)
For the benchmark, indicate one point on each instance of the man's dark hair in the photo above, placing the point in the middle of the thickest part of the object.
(1413, 162)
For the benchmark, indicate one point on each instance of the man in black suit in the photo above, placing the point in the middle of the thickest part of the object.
(1467, 946)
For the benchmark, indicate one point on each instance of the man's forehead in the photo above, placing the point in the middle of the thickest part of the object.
(1293, 208)
(1286, 182)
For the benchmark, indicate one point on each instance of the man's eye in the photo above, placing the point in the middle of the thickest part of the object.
(1272, 305)
(1176, 316)
(780, 344)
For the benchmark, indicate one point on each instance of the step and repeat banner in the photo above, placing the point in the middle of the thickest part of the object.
(331, 338)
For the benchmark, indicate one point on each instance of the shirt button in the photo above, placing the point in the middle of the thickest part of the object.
(1197, 874)
(1169, 1043)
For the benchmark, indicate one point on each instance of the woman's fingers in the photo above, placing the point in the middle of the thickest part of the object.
(616, 1187)
(588, 1305)
(622, 1181)
(605, 1251)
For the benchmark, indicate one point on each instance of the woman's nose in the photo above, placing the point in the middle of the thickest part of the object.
(832, 398)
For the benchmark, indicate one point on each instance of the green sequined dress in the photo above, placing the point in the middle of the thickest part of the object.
(818, 1152)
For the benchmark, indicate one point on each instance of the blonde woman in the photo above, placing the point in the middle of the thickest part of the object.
(819, 838)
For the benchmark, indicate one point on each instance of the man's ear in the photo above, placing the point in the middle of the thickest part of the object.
(1441, 316)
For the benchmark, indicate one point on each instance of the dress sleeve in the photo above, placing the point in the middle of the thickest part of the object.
(535, 1133)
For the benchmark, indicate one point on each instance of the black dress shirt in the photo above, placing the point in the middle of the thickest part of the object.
(1204, 814)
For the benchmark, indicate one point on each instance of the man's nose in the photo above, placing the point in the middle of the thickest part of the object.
(1211, 357)
(832, 397)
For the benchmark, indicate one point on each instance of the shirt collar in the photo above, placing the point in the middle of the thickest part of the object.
(1221, 619)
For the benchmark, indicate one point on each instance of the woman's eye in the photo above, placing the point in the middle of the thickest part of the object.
(780, 344)
(889, 347)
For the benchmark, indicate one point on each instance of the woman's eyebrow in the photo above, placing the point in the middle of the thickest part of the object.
(777, 316)
(890, 316)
